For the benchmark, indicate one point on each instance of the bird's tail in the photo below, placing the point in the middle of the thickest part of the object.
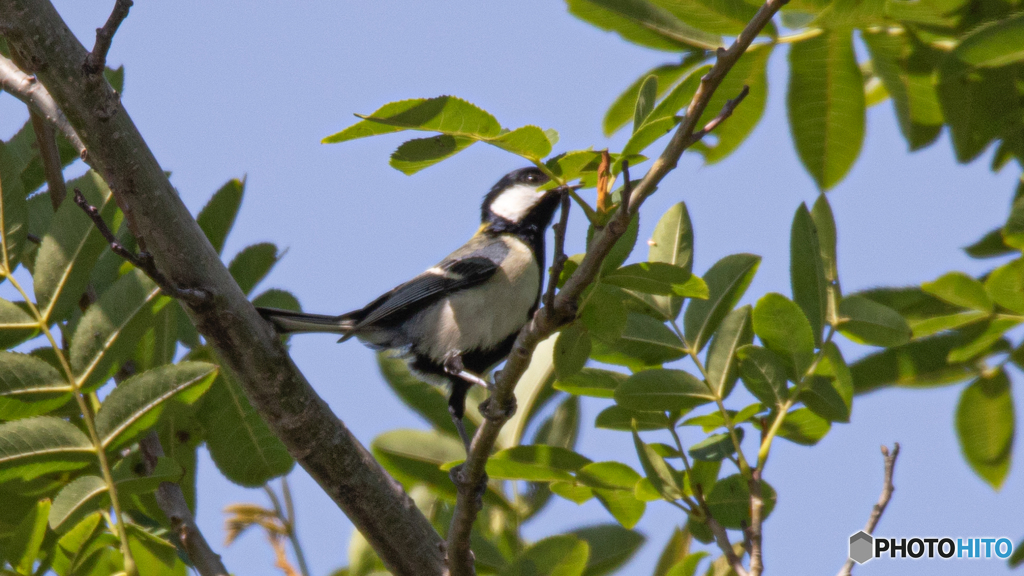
(289, 322)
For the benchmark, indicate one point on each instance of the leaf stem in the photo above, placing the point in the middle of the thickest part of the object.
(87, 417)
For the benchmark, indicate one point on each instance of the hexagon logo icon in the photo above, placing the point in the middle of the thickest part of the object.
(861, 545)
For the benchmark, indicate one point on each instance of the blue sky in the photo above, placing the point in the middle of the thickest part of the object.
(225, 89)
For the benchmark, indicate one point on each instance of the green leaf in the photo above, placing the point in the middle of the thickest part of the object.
(829, 393)
(445, 114)
(130, 479)
(672, 243)
(135, 405)
(729, 501)
(645, 342)
(250, 266)
(783, 328)
(622, 248)
(919, 363)
(70, 248)
(662, 390)
(29, 387)
(591, 382)
(562, 555)
(801, 426)
(240, 443)
(990, 245)
(218, 216)
(562, 427)
(961, 290)
(22, 547)
(16, 324)
(976, 103)
(426, 400)
(868, 322)
(994, 44)
(763, 374)
(665, 480)
(1005, 286)
(13, 208)
(415, 155)
(722, 363)
(608, 475)
(275, 298)
(112, 327)
(826, 105)
(572, 492)
(642, 23)
(32, 447)
(688, 566)
(572, 349)
(930, 326)
(657, 278)
(905, 68)
(715, 447)
(622, 505)
(604, 313)
(645, 98)
(727, 280)
(619, 418)
(83, 496)
(664, 117)
(751, 71)
(991, 335)
(66, 554)
(677, 547)
(527, 141)
(153, 555)
(611, 546)
(535, 463)
(807, 271)
(985, 427)
(728, 17)
(621, 111)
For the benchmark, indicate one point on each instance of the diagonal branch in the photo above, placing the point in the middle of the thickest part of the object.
(171, 501)
(883, 500)
(315, 437)
(549, 318)
(30, 91)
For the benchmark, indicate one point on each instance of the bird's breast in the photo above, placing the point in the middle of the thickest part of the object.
(483, 316)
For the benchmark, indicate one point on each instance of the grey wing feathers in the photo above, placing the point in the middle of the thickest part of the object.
(429, 287)
(289, 322)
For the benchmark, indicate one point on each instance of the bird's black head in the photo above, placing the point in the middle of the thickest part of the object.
(518, 203)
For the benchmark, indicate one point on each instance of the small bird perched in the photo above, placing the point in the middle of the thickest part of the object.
(461, 317)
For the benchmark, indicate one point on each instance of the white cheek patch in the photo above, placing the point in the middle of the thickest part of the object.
(516, 202)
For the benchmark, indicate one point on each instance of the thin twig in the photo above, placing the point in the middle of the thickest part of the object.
(727, 110)
(96, 61)
(143, 260)
(883, 500)
(29, 90)
(171, 500)
(559, 258)
(549, 318)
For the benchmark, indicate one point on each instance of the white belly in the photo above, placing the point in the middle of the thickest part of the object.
(483, 316)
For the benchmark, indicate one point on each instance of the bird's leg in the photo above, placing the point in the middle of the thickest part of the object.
(460, 427)
(453, 365)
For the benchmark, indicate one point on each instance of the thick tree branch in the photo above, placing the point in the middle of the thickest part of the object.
(883, 500)
(375, 502)
(172, 502)
(549, 318)
(30, 91)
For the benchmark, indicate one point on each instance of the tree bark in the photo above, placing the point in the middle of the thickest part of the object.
(318, 440)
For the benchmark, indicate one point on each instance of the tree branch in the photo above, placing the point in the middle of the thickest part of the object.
(172, 502)
(96, 61)
(883, 500)
(319, 441)
(549, 318)
(559, 258)
(27, 89)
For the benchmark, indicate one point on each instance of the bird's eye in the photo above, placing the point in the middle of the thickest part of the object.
(532, 178)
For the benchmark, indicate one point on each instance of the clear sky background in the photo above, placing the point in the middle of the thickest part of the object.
(226, 89)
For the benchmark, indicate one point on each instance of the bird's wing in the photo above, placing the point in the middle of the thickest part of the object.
(450, 276)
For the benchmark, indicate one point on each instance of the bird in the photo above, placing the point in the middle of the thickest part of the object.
(459, 318)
